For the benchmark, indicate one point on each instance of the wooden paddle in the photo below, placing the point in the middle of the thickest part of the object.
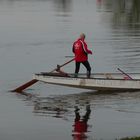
(125, 73)
(60, 66)
(26, 85)
(33, 81)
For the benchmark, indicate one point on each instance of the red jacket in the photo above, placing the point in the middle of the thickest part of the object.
(81, 51)
(80, 126)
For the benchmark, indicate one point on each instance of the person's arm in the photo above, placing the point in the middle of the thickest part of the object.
(73, 50)
(85, 48)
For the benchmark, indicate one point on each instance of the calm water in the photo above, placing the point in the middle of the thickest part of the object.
(36, 35)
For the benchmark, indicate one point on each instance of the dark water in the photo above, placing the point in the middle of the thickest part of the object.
(35, 35)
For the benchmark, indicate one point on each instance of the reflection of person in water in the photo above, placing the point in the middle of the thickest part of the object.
(80, 125)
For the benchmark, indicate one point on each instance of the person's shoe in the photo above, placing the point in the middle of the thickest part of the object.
(76, 109)
(75, 75)
(88, 107)
(88, 74)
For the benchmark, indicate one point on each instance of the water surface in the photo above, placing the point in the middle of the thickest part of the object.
(36, 35)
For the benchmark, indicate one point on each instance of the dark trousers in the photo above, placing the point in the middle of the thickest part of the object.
(86, 64)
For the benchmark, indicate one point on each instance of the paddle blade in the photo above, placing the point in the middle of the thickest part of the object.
(26, 85)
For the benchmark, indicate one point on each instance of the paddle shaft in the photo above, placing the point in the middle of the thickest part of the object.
(125, 73)
(69, 56)
(33, 81)
(60, 66)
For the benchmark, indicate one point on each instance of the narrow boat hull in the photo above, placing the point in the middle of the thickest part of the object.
(92, 83)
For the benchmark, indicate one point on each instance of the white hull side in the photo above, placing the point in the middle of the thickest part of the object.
(93, 83)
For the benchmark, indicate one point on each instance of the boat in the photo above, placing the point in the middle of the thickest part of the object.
(97, 81)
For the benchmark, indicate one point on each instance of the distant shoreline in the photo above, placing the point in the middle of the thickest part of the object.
(133, 138)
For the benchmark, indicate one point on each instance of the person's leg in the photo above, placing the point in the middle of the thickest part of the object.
(77, 67)
(87, 65)
(77, 115)
(87, 114)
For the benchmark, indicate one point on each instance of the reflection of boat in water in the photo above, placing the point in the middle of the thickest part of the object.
(61, 106)
(49, 106)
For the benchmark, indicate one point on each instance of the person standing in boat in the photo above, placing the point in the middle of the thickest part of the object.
(81, 51)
